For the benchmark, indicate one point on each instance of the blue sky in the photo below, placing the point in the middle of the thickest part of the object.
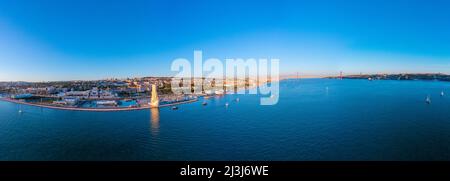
(43, 40)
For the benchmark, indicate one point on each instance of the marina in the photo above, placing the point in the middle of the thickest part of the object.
(96, 109)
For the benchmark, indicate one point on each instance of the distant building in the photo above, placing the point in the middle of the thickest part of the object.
(60, 102)
(120, 84)
(61, 94)
(81, 94)
(67, 101)
(71, 101)
(106, 94)
(94, 93)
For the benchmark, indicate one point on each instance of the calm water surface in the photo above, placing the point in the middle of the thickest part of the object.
(349, 120)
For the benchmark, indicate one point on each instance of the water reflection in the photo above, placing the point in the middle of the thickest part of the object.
(154, 118)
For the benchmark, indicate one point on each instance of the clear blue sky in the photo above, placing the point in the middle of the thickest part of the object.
(86, 39)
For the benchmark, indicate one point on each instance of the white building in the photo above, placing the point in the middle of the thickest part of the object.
(106, 94)
(71, 101)
(94, 93)
(79, 94)
(106, 102)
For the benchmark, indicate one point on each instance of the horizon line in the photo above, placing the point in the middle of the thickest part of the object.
(284, 76)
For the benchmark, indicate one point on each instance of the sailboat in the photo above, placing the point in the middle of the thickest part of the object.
(428, 100)
(442, 93)
(20, 109)
(226, 104)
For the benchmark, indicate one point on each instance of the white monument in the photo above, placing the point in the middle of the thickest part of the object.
(154, 101)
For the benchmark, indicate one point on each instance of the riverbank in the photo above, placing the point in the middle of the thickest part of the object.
(410, 76)
(94, 109)
(115, 108)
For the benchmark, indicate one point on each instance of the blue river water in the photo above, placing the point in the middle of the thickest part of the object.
(315, 119)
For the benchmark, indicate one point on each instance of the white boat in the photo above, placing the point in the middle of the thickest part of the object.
(442, 93)
(226, 104)
(20, 109)
(428, 100)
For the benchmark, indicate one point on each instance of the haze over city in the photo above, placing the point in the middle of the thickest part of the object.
(84, 40)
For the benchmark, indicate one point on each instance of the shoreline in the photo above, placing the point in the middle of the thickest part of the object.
(6, 99)
(95, 109)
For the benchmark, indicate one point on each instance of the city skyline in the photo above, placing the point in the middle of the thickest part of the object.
(81, 40)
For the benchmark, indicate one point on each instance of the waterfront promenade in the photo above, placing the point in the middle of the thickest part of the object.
(94, 109)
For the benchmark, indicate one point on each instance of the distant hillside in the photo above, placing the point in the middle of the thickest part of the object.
(428, 76)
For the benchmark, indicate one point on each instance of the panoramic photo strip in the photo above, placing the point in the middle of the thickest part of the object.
(233, 89)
